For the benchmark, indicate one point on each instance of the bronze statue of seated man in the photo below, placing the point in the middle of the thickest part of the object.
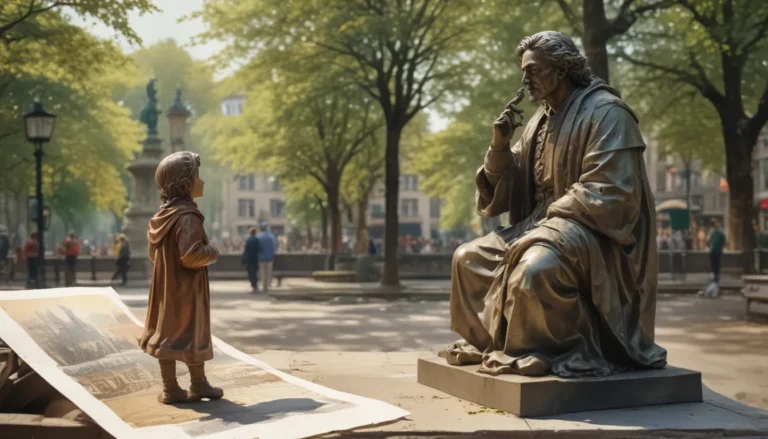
(570, 287)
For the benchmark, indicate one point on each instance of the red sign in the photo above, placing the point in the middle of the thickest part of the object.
(723, 185)
(764, 204)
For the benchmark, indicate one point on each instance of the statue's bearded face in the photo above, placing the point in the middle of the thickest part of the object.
(540, 77)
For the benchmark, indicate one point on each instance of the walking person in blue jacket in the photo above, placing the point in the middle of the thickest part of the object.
(267, 248)
(251, 259)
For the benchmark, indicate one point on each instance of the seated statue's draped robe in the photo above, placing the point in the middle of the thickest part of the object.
(570, 287)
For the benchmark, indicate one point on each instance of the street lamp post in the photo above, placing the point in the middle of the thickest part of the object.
(38, 125)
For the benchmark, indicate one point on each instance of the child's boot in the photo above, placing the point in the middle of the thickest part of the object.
(200, 387)
(172, 392)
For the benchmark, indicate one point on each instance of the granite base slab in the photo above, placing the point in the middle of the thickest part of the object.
(546, 396)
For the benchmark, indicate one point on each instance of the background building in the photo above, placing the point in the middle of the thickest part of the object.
(760, 175)
(667, 178)
(418, 213)
(249, 199)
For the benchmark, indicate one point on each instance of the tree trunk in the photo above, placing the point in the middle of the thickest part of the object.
(309, 235)
(688, 172)
(740, 192)
(335, 216)
(361, 227)
(595, 38)
(391, 276)
(324, 227)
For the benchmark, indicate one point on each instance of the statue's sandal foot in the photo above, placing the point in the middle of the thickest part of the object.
(172, 396)
(203, 389)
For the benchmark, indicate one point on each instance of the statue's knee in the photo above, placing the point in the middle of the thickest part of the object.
(538, 263)
(462, 253)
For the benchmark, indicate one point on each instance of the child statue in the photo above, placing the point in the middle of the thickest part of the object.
(178, 323)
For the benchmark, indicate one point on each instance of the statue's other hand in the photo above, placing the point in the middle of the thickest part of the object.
(504, 126)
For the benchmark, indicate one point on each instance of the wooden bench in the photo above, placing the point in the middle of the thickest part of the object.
(757, 296)
(755, 290)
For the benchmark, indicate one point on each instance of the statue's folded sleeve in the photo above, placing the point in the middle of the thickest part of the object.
(495, 180)
(608, 196)
(193, 244)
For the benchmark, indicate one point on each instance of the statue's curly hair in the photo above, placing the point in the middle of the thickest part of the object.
(175, 174)
(561, 51)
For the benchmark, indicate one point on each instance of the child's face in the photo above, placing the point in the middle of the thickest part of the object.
(197, 187)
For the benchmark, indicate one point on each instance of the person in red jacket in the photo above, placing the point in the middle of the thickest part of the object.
(70, 248)
(31, 254)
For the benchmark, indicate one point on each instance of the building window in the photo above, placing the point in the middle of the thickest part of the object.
(247, 182)
(276, 208)
(409, 207)
(409, 183)
(435, 206)
(246, 208)
(697, 200)
(723, 201)
(377, 211)
(276, 187)
(661, 182)
(243, 230)
(764, 175)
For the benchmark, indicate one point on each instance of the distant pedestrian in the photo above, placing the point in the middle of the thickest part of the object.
(123, 260)
(5, 247)
(31, 254)
(761, 239)
(250, 259)
(677, 244)
(88, 250)
(716, 243)
(267, 248)
(70, 249)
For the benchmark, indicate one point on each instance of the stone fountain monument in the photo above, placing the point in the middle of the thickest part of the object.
(144, 198)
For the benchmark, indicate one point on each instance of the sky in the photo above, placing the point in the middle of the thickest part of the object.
(165, 24)
(161, 26)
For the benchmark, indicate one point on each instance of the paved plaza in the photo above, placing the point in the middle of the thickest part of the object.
(708, 335)
(369, 346)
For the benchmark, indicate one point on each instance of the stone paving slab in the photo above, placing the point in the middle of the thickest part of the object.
(307, 289)
(391, 377)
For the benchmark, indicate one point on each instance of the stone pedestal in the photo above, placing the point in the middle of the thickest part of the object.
(145, 198)
(545, 396)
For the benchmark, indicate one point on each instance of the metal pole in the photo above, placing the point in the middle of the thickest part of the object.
(40, 218)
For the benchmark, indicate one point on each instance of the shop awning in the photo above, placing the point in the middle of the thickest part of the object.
(675, 204)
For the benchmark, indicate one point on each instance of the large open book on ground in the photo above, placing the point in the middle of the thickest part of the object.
(83, 341)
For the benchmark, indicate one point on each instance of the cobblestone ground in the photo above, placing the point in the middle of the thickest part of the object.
(702, 334)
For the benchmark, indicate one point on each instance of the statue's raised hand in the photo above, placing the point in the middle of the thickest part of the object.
(504, 126)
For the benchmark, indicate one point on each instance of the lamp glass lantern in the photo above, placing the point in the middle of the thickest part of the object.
(39, 123)
(177, 117)
(177, 124)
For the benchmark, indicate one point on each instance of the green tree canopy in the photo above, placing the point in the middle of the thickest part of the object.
(73, 73)
(717, 50)
(404, 55)
(295, 128)
(19, 18)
